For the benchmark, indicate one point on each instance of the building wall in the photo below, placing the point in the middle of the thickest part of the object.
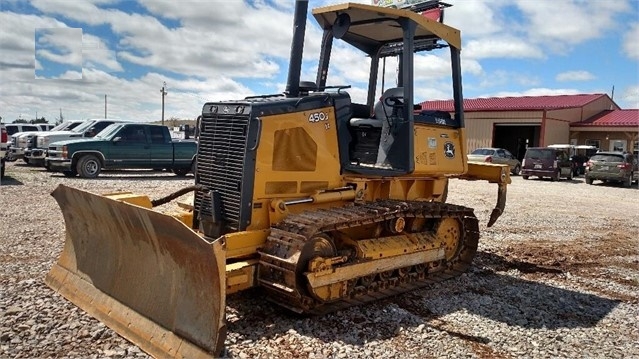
(556, 132)
(605, 136)
(556, 129)
(566, 114)
(480, 125)
(595, 107)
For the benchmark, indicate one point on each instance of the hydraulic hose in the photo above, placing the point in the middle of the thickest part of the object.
(174, 195)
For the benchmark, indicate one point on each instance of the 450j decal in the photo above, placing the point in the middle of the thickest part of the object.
(319, 117)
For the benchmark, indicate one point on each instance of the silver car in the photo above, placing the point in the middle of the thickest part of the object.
(496, 155)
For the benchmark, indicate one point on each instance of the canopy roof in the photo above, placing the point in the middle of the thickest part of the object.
(372, 26)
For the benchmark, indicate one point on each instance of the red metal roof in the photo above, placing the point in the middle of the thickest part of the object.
(611, 118)
(522, 103)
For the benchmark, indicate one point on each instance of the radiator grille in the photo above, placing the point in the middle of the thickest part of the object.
(220, 162)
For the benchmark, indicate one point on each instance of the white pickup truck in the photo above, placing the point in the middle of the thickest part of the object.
(20, 142)
(86, 129)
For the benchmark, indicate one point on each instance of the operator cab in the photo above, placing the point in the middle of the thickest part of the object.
(376, 137)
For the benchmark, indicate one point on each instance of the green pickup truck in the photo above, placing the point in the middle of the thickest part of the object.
(123, 145)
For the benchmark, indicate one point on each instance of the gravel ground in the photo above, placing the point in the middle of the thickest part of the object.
(556, 277)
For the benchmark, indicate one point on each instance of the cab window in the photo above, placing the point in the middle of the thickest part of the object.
(157, 135)
(133, 134)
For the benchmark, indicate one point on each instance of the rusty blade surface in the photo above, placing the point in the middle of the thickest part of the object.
(144, 274)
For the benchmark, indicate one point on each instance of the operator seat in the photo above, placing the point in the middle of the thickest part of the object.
(387, 114)
(381, 122)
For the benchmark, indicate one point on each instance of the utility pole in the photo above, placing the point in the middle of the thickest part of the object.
(105, 106)
(163, 92)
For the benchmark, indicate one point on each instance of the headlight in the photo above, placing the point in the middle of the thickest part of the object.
(42, 142)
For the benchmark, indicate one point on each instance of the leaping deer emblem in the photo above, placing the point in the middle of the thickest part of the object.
(449, 150)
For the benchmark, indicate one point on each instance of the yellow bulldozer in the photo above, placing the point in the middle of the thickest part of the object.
(321, 202)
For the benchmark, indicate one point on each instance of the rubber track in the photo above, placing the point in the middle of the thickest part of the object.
(289, 237)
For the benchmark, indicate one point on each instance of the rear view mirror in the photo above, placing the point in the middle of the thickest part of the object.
(341, 25)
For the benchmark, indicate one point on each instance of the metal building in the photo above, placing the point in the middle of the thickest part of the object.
(515, 123)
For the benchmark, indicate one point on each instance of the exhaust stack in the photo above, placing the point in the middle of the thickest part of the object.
(297, 49)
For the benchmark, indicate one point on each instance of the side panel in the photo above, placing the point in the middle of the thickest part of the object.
(297, 155)
(439, 151)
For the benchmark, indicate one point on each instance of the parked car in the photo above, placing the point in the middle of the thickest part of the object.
(547, 162)
(496, 155)
(123, 145)
(21, 142)
(612, 167)
(86, 129)
(33, 155)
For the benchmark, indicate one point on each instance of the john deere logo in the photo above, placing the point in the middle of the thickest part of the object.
(449, 150)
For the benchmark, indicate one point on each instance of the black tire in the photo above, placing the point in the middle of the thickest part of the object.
(89, 166)
(2, 170)
(181, 172)
(556, 176)
(71, 173)
(525, 177)
(26, 160)
(516, 170)
(588, 180)
(570, 175)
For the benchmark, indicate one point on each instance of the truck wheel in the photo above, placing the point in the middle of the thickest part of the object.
(524, 177)
(89, 166)
(556, 176)
(71, 173)
(26, 160)
(181, 172)
(570, 175)
(516, 170)
(588, 180)
(2, 169)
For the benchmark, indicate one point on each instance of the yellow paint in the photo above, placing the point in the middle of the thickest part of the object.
(430, 157)
(244, 244)
(128, 197)
(493, 173)
(326, 168)
(240, 275)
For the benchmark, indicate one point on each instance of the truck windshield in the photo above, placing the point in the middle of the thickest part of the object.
(63, 126)
(108, 131)
(84, 126)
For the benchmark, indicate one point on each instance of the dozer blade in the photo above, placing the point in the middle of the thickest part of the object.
(144, 274)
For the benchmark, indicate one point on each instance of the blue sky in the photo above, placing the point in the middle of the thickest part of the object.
(66, 55)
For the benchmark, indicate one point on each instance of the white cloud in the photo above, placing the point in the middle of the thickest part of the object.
(575, 76)
(506, 78)
(475, 18)
(570, 22)
(70, 75)
(17, 41)
(502, 47)
(96, 54)
(60, 45)
(535, 92)
(631, 42)
(629, 97)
